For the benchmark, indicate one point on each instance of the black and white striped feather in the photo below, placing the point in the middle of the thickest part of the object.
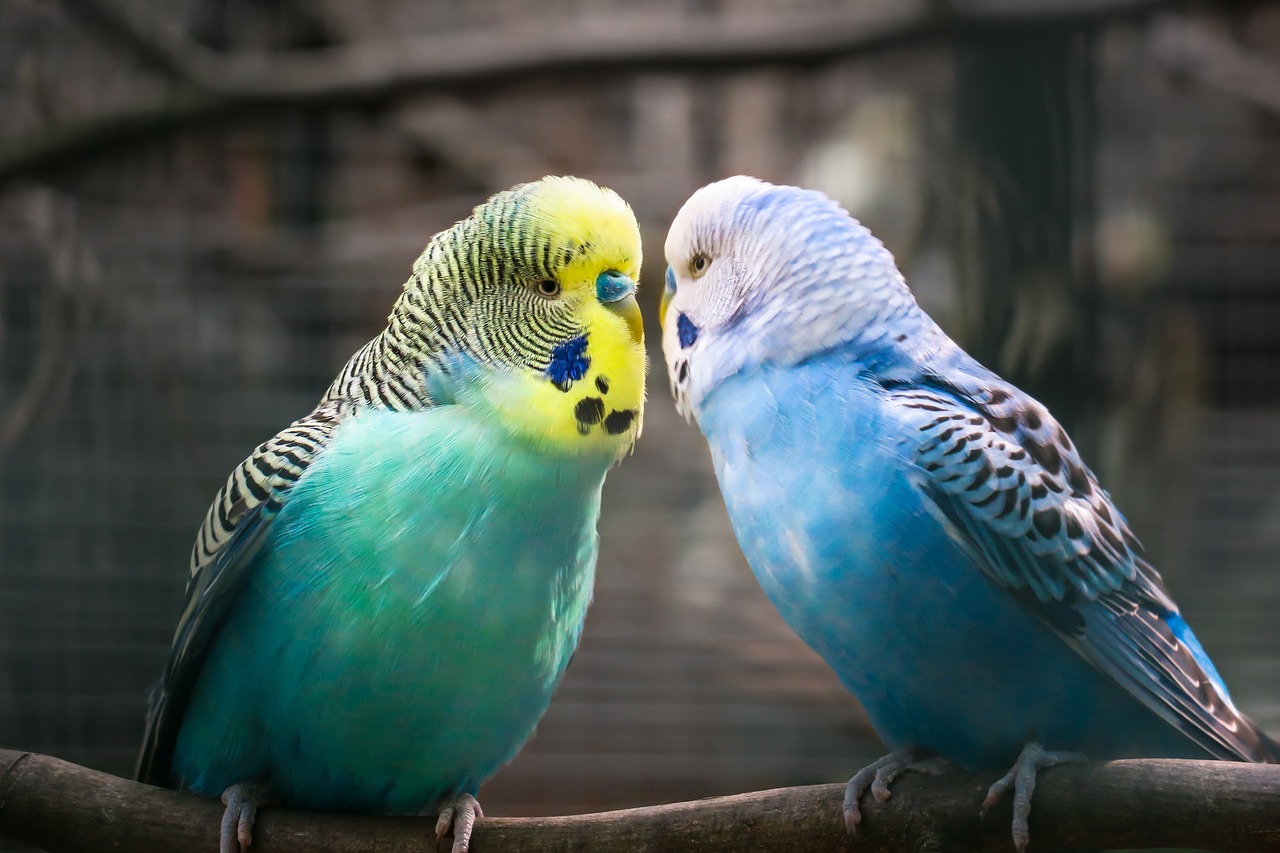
(1008, 480)
(228, 539)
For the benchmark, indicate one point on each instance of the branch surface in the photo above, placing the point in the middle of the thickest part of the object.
(1139, 804)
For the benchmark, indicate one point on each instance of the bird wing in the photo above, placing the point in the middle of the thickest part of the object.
(1009, 482)
(229, 540)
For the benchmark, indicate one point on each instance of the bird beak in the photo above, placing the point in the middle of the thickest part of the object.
(667, 292)
(617, 292)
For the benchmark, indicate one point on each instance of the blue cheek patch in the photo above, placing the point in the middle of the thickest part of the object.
(569, 362)
(686, 332)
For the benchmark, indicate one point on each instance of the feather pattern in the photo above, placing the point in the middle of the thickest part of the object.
(1011, 484)
(225, 547)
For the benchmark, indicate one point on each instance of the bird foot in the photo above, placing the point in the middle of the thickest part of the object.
(460, 814)
(242, 801)
(1022, 778)
(878, 775)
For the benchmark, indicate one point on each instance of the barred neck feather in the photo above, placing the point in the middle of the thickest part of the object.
(392, 371)
(470, 296)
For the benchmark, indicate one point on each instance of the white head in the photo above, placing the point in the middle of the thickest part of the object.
(762, 273)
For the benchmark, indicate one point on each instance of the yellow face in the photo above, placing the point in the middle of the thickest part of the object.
(585, 395)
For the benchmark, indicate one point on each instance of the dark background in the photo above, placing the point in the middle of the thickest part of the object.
(206, 206)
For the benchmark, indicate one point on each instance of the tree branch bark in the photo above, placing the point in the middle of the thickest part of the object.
(1133, 804)
(214, 86)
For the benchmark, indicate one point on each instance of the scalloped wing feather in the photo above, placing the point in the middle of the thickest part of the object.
(1008, 480)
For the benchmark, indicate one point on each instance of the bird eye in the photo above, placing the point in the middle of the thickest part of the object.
(549, 287)
(699, 264)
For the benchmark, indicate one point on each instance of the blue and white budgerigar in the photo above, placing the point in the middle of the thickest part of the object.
(385, 595)
(928, 528)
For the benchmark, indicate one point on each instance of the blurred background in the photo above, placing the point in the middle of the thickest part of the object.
(207, 205)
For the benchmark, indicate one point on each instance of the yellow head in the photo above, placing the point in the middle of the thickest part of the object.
(532, 297)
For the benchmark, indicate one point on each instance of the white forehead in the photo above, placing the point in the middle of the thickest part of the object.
(708, 211)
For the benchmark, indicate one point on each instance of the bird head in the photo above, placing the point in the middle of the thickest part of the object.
(528, 308)
(763, 273)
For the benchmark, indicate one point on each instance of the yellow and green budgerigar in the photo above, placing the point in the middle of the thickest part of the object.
(385, 595)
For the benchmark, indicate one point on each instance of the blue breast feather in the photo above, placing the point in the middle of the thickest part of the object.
(864, 559)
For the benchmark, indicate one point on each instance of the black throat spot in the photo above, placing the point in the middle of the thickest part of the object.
(589, 411)
(619, 421)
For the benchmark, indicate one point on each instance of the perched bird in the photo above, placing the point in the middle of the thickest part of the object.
(384, 596)
(925, 526)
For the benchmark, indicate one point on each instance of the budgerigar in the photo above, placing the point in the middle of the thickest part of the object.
(385, 595)
(925, 526)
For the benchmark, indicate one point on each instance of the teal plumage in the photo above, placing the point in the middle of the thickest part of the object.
(385, 595)
(493, 570)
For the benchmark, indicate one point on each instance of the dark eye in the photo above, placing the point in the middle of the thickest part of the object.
(699, 264)
(548, 287)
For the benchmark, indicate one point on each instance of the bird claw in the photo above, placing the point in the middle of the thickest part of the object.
(1022, 778)
(242, 801)
(879, 774)
(460, 814)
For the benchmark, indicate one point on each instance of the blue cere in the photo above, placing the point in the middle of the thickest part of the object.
(613, 285)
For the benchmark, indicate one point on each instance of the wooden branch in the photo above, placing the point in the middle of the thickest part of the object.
(1134, 804)
(218, 87)
(375, 69)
